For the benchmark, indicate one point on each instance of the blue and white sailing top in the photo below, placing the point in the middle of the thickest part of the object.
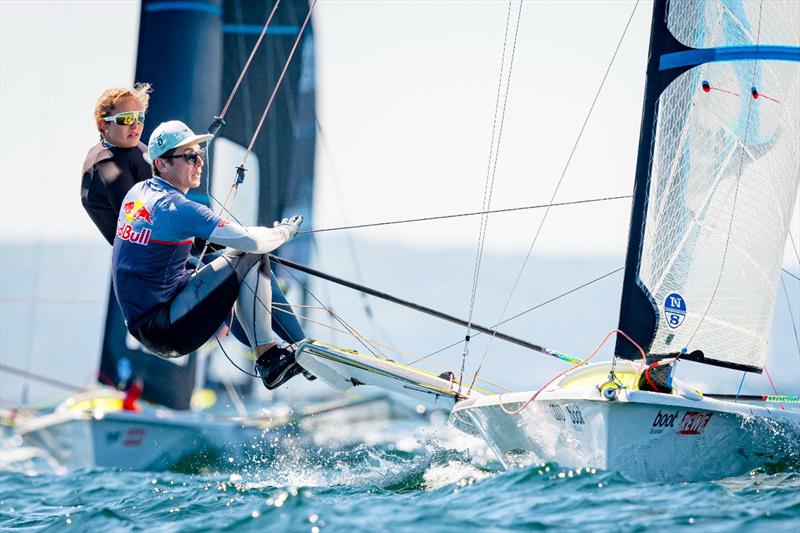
(155, 230)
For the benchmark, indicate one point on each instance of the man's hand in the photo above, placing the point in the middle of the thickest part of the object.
(290, 225)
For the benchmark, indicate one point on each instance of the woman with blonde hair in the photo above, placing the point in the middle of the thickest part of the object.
(118, 161)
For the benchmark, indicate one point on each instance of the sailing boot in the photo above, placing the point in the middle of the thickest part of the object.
(276, 366)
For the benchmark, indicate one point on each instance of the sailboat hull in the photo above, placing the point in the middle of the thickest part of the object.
(138, 441)
(644, 435)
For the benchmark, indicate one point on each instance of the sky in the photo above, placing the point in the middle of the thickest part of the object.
(406, 98)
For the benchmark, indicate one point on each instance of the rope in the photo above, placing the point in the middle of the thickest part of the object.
(491, 170)
(771, 384)
(240, 369)
(353, 333)
(537, 306)
(469, 214)
(561, 179)
(583, 362)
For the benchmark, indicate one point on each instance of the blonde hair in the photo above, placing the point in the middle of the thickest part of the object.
(110, 97)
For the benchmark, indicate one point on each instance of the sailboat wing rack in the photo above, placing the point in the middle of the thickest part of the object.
(342, 369)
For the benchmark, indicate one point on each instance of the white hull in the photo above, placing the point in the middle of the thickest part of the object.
(91, 430)
(644, 435)
(141, 441)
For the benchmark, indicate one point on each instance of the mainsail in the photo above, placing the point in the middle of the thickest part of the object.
(717, 180)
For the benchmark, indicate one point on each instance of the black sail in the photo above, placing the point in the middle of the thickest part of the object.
(279, 180)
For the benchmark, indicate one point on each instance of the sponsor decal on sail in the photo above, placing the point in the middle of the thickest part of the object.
(674, 310)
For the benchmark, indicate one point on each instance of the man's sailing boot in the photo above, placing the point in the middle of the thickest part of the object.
(276, 365)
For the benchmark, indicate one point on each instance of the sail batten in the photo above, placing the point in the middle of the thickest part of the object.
(716, 189)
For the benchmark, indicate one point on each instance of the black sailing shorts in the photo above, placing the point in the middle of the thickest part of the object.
(174, 339)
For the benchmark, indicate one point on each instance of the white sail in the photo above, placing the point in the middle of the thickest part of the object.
(723, 183)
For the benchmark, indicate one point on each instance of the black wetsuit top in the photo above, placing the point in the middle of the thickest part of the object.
(108, 174)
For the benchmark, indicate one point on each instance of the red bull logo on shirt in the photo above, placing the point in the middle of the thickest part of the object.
(137, 211)
(127, 233)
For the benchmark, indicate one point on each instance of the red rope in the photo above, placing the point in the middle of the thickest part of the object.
(725, 91)
(596, 350)
(772, 385)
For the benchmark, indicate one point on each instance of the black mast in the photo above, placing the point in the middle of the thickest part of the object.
(637, 316)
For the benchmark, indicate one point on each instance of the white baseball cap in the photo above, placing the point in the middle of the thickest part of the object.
(172, 134)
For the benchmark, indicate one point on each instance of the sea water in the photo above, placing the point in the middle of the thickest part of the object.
(52, 319)
(394, 486)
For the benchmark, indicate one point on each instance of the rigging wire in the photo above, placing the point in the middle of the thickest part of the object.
(791, 315)
(491, 168)
(794, 247)
(354, 256)
(247, 63)
(469, 214)
(442, 217)
(54, 79)
(537, 306)
(561, 178)
(42, 379)
(739, 390)
(278, 83)
(240, 170)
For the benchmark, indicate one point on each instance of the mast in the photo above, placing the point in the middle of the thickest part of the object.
(637, 314)
(715, 182)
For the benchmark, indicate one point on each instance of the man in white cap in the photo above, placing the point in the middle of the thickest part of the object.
(169, 310)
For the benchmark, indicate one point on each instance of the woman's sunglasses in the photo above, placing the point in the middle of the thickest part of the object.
(190, 157)
(126, 118)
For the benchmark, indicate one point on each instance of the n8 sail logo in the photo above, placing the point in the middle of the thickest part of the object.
(674, 310)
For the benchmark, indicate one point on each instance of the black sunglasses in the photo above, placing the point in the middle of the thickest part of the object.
(190, 157)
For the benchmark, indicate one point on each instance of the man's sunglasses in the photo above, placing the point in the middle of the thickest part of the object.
(190, 157)
(126, 118)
